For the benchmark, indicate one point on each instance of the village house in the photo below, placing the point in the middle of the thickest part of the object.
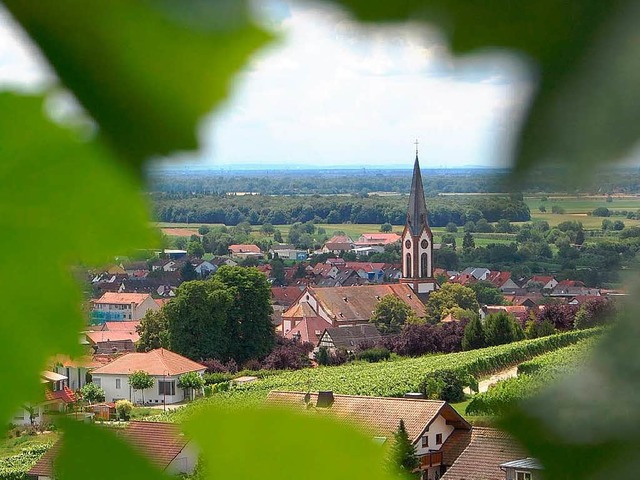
(377, 238)
(57, 397)
(347, 306)
(436, 430)
(164, 366)
(121, 307)
(348, 338)
(112, 341)
(309, 330)
(542, 282)
(492, 455)
(162, 443)
(338, 244)
(245, 251)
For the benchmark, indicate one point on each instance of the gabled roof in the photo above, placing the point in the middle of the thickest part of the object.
(377, 416)
(156, 362)
(481, 460)
(310, 329)
(378, 238)
(66, 395)
(358, 303)
(244, 248)
(300, 310)
(160, 442)
(120, 326)
(350, 337)
(112, 336)
(417, 211)
(285, 295)
(122, 298)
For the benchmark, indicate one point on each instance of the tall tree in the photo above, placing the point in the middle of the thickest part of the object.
(153, 330)
(449, 296)
(487, 293)
(391, 314)
(188, 273)
(249, 324)
(197, 320)
(403, 452)
(468, 242)
(501, 328)
(474, 336)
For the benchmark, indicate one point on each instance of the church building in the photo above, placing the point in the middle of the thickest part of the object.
(417, 239)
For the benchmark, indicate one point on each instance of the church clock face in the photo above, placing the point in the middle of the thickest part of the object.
(424, 244)
(407, 244)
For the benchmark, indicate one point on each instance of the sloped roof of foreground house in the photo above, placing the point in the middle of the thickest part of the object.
(156, 362)
(377, 416)
(481, 459)
(159, 442)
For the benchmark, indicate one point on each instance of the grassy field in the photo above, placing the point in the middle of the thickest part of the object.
(13, 446)
(576, 208)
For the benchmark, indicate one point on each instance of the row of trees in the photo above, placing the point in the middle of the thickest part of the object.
(281, 210)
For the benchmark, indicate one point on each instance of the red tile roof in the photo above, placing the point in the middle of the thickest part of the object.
(285, 295)
(122, 298)
(361, 301)
(120, 326)
(481, 460)
(307, 328)
(379, 238)
(156, 362)
(112, 336)
(158, 441)
(244, 248)
(66, 395)
(377, 416)
(300, 310)
(498, 278)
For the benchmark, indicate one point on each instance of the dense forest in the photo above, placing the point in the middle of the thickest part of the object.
(363, 181)
(334, 209)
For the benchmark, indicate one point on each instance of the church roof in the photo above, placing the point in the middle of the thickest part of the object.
(417, 213)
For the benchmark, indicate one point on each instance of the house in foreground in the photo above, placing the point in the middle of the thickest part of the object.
(437, 431)
(162, 443)
(163, 365)
(57, 397)
(349, 338)
(493, 455)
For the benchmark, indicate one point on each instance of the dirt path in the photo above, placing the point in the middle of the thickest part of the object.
(495, 378)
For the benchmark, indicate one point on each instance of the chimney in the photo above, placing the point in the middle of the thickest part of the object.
(325, 399)
(415, 395)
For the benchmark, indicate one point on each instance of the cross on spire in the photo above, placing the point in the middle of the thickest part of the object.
(416, 144)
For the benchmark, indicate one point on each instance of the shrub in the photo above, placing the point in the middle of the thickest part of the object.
(218, 377)
(123, 409)
(92, 393)
(214, 366)
(447, 385)
(373, 355)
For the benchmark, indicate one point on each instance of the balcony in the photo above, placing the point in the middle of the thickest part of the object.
(432, 459)
(101, 316)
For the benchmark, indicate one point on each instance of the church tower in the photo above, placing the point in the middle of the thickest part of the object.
(417, 239)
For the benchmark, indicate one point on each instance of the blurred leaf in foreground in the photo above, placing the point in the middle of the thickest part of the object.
(238, 443)
(96, 453)
(587, 105)
(588, 424)
(63, 201)
(145, 73)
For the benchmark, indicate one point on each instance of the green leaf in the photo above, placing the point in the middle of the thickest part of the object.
(292, 444)
(587, 107)
(587, 425)
(63, 201)
(145, 72)
(96, 453)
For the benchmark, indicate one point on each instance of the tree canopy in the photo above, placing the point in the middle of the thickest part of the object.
(391, 314)
(449, 296)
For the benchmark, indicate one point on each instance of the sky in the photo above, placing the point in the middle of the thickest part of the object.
(332, 93)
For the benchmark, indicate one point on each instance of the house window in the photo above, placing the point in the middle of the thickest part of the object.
(523, 475)
(97, 382)
(425, 441)
(438, 439)
(424, 266)
(118, 383)
(408, 265)
(166, 387)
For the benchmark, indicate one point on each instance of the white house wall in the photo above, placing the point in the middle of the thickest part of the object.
(439, 425)
(185, 461)
(108, 384)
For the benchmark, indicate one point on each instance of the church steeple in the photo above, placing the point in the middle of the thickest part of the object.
(417, 239)
(417, 212)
